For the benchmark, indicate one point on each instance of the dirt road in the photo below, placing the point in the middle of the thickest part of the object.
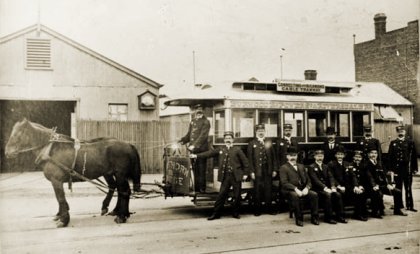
(27, 206)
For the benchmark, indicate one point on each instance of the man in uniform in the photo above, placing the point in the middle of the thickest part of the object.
(358, 187)
(324, 184)
(403, 163)
(330, 145)
(285, 142)
(379, 185)
(340, 171)
(197, 139)
(233, 168)
(296, 185)
(263, 168)
(367, 141)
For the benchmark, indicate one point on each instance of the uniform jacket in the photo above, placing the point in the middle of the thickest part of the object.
(363, 144)
(282, 146)
(197, 135)
(321, 178)
(357, 175)
(340, 173)
(329, 154)
(258, 152)
(402, 153)
(375, 174)
(237, 161)
(291, 179)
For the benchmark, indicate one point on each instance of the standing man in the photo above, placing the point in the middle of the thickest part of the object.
(197, 139)
(284, 143)
(403, 164)
(378, 185)
(330, 145)
(296, 185)
(263, 168)
(233, 168)
(325, 185)
(367, 141)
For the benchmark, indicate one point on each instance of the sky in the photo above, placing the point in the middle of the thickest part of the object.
(232, 40)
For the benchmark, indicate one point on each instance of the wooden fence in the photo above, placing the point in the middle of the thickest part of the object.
(149, 137)
(416, 137)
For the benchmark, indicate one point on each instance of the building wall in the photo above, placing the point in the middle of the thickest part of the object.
(75, 75)
(378, 61)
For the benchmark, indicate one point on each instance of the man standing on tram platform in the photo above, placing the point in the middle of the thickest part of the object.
(403, 163)
(331, 145)
(263, 168)
(233, 169)
(197, 139)
(367, 141)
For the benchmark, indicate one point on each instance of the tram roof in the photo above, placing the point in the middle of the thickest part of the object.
(355, 92)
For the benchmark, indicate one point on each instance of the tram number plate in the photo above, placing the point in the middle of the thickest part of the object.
(179, 174)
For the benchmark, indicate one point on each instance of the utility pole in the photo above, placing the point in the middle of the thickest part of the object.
(193, 67)
(281, 63)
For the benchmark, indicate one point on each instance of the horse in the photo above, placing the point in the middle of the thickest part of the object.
(63, 159)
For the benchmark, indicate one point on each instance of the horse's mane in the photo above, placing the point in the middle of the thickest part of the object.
(42, 128)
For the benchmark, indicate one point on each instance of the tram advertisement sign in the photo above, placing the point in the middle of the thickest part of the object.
(301, 88)
(178, 174)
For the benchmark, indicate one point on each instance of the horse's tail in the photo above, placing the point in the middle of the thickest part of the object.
(136, 170)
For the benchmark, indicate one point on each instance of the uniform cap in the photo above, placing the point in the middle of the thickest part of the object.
(399, 128)
(287, 126)
(372, 147)
(319, 151)
(367, 128)
(228, 133)
(198, 108)
(358, 152)
(259, 127)
(340, 149)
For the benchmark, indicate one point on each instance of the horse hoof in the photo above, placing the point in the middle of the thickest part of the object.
(104, 211)
(119, 220)
(60, 224)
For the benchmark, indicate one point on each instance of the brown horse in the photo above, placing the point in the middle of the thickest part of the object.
(63, 159)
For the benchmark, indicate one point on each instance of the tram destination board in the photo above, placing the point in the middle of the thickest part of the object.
(178, 174)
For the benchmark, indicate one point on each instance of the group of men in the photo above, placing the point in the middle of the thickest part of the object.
(330, 180)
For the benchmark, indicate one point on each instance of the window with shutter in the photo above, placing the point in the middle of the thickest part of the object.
(38, 53)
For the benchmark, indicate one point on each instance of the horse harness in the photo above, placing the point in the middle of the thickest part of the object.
(45, 156)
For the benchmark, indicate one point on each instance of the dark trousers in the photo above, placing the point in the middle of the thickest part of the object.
(377, 202)
(228, 181)
(407, 181)
(262, 191)
(360, 205)
(294, 199)
(199, 169)
(332, 202)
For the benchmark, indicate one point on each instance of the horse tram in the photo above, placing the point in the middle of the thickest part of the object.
(310, 106)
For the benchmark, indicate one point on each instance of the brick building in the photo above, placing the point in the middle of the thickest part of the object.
(392, 58)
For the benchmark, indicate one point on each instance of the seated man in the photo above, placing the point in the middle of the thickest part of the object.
(296, 185)
(358, 187)
(325, 185)
(340, 171)
(233, 168)
(378, 185)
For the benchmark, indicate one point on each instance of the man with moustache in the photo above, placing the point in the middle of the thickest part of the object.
(403, 163)
(330, 145)
(358, 187)
(296, 185)
(340, 172)
(378, 185)
(367, 141)
(285, 142)
(324, 184)
(197, 139)
(233, 169)
(263, 168)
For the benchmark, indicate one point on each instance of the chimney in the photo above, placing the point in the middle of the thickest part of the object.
(310, 74)
(380, 24)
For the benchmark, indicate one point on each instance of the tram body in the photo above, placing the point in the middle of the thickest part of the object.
(310, 106)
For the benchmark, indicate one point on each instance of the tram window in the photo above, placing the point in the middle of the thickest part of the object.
(243, 123)
(360, 119)
(270, 119)
(296, 120)
(317, 124)
(341, 122)
(219, 125)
